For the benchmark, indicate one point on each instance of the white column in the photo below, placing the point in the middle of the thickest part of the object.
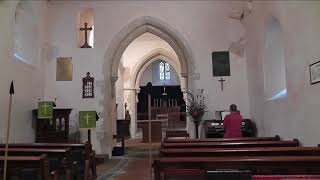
(184, 89)
(133, 112)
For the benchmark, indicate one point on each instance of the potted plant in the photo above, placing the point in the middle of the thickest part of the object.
(196, 108)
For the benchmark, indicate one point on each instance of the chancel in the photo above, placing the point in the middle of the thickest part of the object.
(234, 90)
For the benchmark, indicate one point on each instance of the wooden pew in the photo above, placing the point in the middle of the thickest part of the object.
(232, 152)
(259, 165)
(275, 138)
(175, 134)
(79, 152)
(235, 144)
(63, 155)
(37, 162)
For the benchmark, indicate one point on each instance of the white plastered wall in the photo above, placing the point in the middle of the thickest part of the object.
(295, 116)
(202, 27)
(28, 79)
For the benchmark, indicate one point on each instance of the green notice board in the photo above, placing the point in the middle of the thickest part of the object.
(45, 109)
(87, 119)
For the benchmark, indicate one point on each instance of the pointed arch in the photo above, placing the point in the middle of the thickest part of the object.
(139, 27)
(148, 59)
(113, 55)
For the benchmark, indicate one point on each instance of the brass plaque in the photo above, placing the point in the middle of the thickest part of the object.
(64, 69)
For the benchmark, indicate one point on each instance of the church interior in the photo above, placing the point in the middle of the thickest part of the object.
(121, 89)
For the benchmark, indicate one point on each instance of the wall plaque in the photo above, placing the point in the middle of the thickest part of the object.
(64, 69)
(221, 63)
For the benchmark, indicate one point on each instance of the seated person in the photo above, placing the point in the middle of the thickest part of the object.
(232, 123)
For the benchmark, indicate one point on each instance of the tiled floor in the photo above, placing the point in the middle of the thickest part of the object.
(134, 165)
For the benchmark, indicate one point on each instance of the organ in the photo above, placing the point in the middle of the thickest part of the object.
(215, 129)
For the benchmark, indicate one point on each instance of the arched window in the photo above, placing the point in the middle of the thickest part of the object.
(86, 16)
(167, 67)
(274, 64)
(164, 71)
(161, 67)
(26, 41)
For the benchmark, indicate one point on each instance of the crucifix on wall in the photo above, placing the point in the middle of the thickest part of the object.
(222, 81)
(86, 29)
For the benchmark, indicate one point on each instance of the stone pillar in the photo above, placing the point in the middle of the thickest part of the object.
(184, 89)
(133, 111)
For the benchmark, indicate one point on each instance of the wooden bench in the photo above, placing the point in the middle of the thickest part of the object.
(33, 162)
(235, 144)
(79, 152)
(174, 134)
(259, 165)
(275, 138)
(59, 159)
(232, 152)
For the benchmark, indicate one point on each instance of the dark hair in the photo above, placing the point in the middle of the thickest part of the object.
(233, 108)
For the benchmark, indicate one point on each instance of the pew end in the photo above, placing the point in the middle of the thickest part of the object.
(297, 141)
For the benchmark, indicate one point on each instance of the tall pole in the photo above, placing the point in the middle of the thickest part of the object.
(149, 89)
(149, 113)
(8, 133)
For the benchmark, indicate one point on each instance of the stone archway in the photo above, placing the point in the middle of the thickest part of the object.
(150, 58)
(114, 53)
(138, 71)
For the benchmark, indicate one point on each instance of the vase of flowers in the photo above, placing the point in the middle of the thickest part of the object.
(196, 108)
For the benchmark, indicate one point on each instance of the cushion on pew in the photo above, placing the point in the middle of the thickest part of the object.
(285, 177)
(229, 174)
(183, 174)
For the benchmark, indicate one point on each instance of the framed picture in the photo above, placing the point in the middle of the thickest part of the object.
(220, 63)
(314, 72)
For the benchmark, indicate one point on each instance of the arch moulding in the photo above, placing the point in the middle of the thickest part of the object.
(114, 54)
(139, 27)
(151, 57)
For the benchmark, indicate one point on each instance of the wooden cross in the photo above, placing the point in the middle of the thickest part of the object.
(222, 81)
(86, 29)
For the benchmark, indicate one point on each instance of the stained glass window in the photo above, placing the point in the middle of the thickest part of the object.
(167, 67)
(161, 70)
(164, 71)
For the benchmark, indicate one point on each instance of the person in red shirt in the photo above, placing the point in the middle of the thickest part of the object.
(232, 123)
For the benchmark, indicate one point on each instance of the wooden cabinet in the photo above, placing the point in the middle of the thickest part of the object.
(52, 130)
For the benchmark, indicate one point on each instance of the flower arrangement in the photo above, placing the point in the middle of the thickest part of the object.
(196, 107)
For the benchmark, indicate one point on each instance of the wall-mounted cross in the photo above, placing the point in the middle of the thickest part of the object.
(222, 81)
(86, 29)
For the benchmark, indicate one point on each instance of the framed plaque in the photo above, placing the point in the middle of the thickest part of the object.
(64, 69)
(220, 63)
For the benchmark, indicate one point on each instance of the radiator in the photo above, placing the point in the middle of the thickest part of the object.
(229, 174)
